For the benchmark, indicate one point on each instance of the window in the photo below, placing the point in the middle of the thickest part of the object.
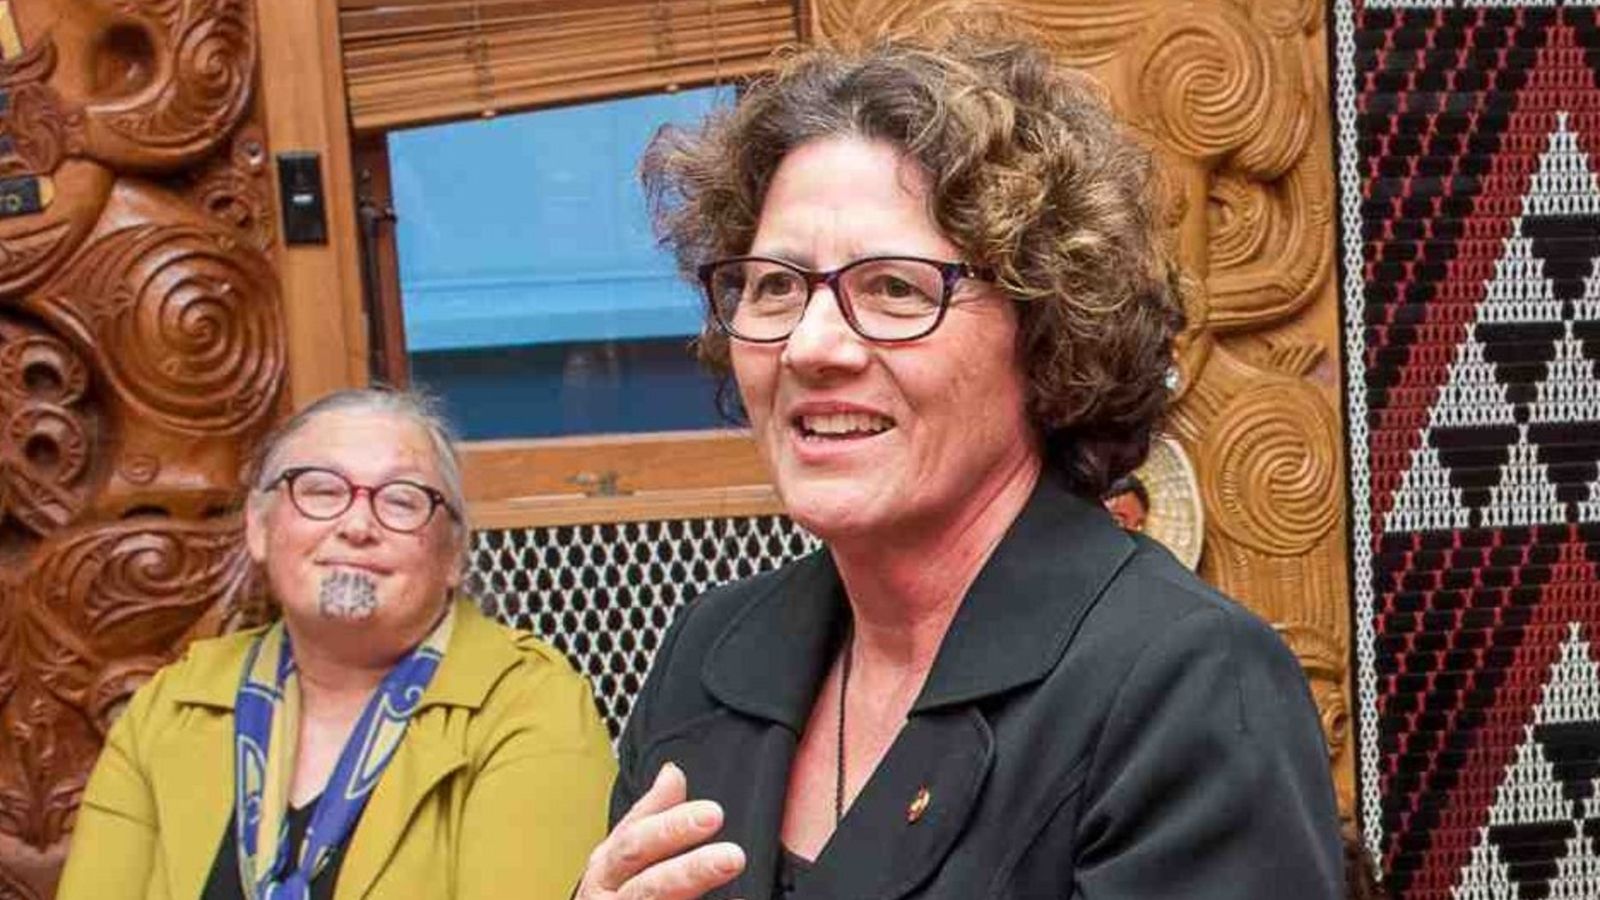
(536, 301)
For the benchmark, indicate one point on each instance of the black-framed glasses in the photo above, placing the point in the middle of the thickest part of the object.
(399, 505)
(884, 298)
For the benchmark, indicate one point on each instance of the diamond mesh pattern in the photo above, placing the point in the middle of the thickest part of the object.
(605, 594)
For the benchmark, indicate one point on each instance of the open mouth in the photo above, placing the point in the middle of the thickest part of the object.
(841, 426)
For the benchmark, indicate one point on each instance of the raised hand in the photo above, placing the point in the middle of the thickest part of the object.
(659, 851)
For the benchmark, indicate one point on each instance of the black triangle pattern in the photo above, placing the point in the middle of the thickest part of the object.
(1540, 840)
(1446, 92)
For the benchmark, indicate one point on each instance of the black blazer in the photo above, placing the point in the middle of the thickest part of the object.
(1098, 724)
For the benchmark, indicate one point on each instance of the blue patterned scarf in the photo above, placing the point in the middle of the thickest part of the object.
(266, 735)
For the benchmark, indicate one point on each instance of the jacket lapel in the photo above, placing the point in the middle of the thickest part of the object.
(769, 662)
(476, 659)
(911, 812)
(195, 812)
(1026, 604)
(890, 841)
(767, 667)
(419, 764)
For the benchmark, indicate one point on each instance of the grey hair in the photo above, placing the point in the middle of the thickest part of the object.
(413, 406)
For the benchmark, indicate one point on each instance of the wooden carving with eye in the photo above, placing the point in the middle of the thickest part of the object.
(141, 352)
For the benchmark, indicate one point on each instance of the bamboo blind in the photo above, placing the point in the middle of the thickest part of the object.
(413, 61)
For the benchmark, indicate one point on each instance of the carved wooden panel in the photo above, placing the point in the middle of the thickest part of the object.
(141, 350)
(1233, 95)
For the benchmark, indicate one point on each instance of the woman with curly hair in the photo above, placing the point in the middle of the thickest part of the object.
(933, 269)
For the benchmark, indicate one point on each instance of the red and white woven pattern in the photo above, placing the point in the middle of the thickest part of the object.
(1469, 142)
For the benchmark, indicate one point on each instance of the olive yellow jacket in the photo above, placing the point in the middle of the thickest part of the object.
(497, 790)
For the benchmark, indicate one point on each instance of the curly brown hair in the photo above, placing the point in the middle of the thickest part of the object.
(1030, 175)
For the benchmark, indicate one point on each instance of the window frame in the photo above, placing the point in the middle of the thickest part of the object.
(568, 480)
(523, 483)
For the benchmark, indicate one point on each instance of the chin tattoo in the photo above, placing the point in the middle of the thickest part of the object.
(350, 596)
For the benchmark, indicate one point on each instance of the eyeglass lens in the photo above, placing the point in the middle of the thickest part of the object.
(888, 299)
(323, 494)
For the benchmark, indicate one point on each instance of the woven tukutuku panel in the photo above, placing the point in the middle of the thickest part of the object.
(1468, 143)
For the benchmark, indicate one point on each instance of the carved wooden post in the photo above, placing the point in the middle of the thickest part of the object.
(141, 352)
(1233, 96)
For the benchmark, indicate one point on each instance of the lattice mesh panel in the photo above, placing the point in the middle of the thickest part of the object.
(605, 594)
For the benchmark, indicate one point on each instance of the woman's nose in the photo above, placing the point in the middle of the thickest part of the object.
(823, 339)
(359, 523)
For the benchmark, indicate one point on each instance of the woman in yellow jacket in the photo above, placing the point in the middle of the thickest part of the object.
(382, 740)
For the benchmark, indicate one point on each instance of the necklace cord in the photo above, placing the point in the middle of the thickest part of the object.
(844, 690)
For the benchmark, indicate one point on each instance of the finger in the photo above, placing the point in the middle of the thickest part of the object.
(622, 854)
(669, 789)
(636, 846)
(687, 876)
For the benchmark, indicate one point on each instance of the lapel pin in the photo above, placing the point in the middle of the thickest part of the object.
(919, 804)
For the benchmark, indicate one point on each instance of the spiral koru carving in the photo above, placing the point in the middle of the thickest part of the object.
(1321, 656)
(43, 459)
(234, 189)
(24, 257)
(212, 60)
(187, 323)
(1293, 271)
(1333, 711)
(143, 584)
(164, 11)
(1287, 18)
(41, 130)
(44, 437)
(1205, 81)
(41, 368)
(99, 612)
(34, 64)
(1240, 213)
(50, 441)
(1276, 483)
